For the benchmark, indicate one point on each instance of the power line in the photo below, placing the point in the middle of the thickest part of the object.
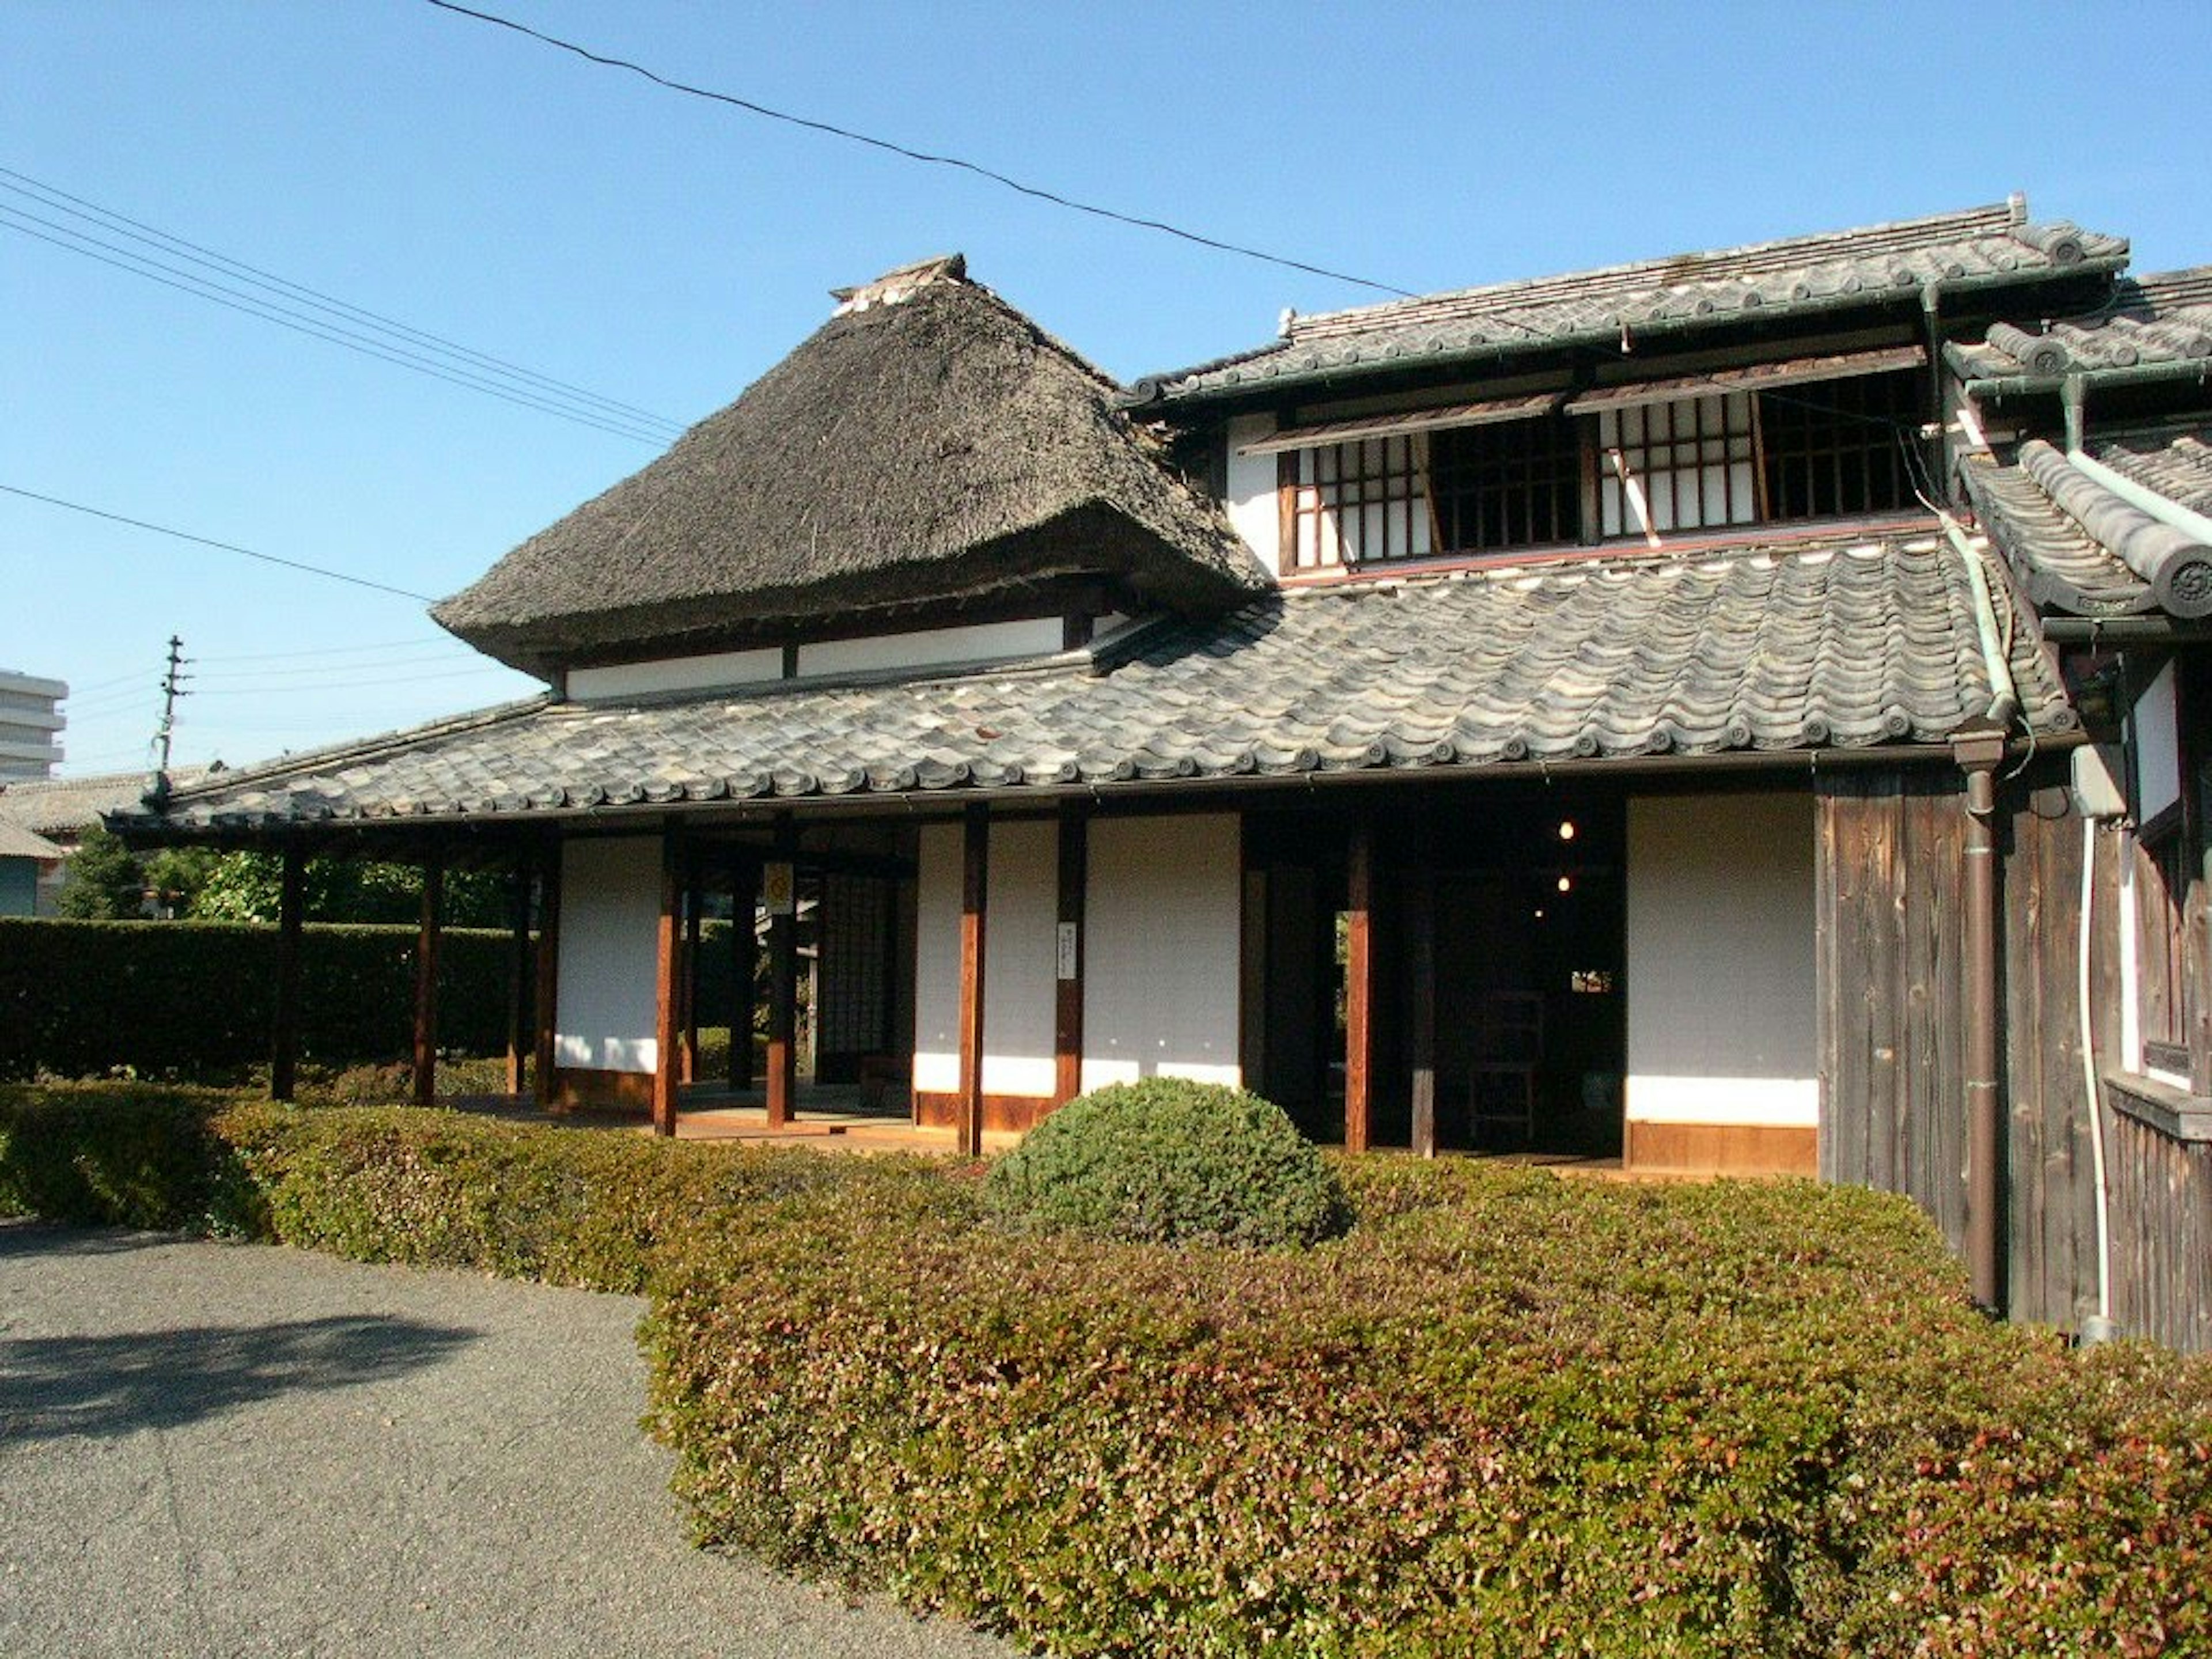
(334, 650)
(829, 129)
(226, 547)
(202, 288)
(107, 218)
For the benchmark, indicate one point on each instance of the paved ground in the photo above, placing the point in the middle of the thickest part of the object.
(213, 1448)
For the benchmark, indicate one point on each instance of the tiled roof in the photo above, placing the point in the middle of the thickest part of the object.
(2077, 544)
(69, 807)
(2152, 321)
(2178, 465)
(1978, 246)
(1822, 642)
(17, 843)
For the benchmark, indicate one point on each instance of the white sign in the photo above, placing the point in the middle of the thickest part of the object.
(778, 890)
(1067, 950)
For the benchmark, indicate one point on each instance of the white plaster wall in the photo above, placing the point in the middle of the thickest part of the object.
(1252, 506)
(1722, 989)
(645, 679)
(1160, 970)
(2157, 721)
(979, 642)
(610, 937)
(1018, 990)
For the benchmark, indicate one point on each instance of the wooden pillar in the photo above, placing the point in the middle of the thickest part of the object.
(744, 955)
(284, 1036)
(779, 886)
(974, 899)
(667, 967)
(1421, 954)
(688, 982)
(543, 1080)
(1067, 1008)
(517, 1004)
(1359, 987)
(426, 981)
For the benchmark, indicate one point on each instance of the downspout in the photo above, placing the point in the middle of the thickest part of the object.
(1978, 747)
(2099, 1327)
(2073, 400)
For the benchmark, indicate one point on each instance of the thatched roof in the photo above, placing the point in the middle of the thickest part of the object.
(929, 447)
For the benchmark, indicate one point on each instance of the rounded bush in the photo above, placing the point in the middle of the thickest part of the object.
(1168, 1161)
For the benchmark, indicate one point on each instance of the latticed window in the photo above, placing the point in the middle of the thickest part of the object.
(1838, 448)
(1656, 462)
(1515, 483)
(1688, 464)
(1358, 503)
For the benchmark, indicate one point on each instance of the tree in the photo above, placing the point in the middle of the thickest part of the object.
(104, 880)
(249, 887)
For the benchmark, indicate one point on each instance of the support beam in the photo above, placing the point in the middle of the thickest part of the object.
(1979, 756)
(779, 886)
(667, 967)
(1421, 951)
(426, 981)
(744, 958)
(549, 977)
(687, 981)
(1067, 979)
(974, 899)
(284, 1037)
(518, 1002)
(1359, 987)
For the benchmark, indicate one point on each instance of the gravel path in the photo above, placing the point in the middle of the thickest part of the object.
(211, 1449)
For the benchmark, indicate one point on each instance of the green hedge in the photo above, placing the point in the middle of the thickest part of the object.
(182, 999)
(1167, 1160)
(1505, 1414)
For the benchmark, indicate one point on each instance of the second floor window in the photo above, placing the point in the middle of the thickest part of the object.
(1828, 449)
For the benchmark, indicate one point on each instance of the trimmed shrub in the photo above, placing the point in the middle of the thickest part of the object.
(1506, 1415)
(186, 998)
(1169, 1161)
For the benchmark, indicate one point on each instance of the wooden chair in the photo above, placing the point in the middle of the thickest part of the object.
(1508, 1048)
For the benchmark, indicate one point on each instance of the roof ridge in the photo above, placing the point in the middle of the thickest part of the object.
(1997, 218)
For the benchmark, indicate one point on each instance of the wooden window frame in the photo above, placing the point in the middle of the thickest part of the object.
(1731, 457)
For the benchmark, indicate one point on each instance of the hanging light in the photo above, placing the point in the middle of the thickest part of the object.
(1567, 883)
(1566, 828)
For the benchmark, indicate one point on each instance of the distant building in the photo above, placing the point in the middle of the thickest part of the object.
(42, 820)
(30, 725)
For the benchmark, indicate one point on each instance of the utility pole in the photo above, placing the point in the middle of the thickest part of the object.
(172, 689)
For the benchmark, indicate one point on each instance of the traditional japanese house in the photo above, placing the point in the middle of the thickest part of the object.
(1566, 716)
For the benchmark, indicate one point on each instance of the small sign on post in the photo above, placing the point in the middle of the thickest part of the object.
(779, 891)
(1067, 950)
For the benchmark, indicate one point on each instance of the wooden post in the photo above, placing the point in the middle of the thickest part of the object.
(1067, 1012)
(780, 885)
(426, 981)
(974, 899)
(517, 1004)
(688, 982)
(744, 955)
(542, 1080)
(284, 1037)
(667, 1064)
(1421, 948)
(1359, 987)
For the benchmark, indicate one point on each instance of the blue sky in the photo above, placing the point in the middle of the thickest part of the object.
(662, 251)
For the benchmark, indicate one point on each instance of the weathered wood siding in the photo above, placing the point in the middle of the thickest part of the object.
(1889, 868)
(2051, 1255)
(2162, 1220)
